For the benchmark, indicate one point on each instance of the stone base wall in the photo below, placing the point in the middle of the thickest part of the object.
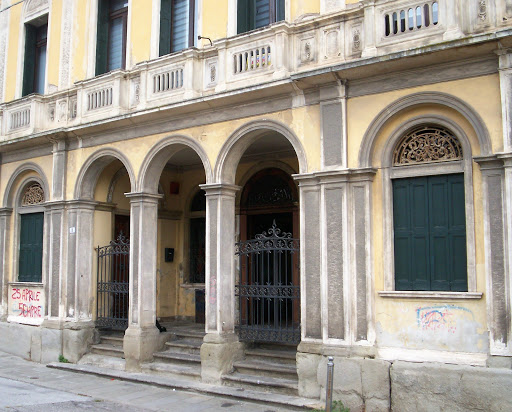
(45, 344)
(365, 384)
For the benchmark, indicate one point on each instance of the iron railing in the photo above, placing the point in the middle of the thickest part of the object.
(268, 290)
(112, 298)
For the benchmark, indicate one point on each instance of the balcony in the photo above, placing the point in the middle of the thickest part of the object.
(252, 60)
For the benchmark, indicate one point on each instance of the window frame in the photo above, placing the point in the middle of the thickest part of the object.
(390, 172)
(28, 84)
(22, 210)
(192, 24)
(245, 14)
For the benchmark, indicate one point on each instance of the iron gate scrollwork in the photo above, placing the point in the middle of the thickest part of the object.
(268, 288)
(112, 298)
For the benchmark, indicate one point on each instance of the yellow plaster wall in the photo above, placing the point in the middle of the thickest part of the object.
(481, 93)
(301, 7)
(215, 20)
(140, 43)
(80, 40)
(11, 71)
(54, 34)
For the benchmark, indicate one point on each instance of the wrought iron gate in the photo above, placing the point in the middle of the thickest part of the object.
(113, 284)
(268, 288)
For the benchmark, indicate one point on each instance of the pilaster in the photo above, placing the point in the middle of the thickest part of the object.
(497, 246)
(5, 219)
(370, 47)
(505, 70)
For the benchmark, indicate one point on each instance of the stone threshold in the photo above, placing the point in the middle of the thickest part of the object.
(290, 402)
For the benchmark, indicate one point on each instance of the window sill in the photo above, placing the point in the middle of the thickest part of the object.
(404, 294)
(25, 284)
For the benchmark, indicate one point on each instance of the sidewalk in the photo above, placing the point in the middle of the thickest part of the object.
(136, 390)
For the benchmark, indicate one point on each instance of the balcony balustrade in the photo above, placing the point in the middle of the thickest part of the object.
(253, 59)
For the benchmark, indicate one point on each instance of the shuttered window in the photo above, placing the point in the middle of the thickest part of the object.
(34, 67)
(111, 35)
(176, 25)
(430, 233)
(253, 14)
(31, 247)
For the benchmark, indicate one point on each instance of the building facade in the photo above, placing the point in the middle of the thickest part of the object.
(334, 174)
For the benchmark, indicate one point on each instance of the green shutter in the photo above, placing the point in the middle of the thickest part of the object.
(430, 233)
(31, 247)
(243, 15)
(403, 234)
(102, 37)
(457, 233)
(165, 27)
(280, 10)
(418, 190)
(439, 205)
(30, 59)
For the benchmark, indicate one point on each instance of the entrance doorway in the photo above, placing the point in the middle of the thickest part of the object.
(268, 288)
(113, 278)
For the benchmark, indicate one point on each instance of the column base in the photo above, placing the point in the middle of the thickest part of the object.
(139, 344)
(218, 352)
(77, 337)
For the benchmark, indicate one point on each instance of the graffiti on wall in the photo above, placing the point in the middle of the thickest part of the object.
(26, 304)
(442, 317)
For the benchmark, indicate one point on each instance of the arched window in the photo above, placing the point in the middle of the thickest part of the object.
(429, 220)
(30, 257)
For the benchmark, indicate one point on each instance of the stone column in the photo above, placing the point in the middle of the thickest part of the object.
(5, 220)
(221, 346)
(141, 339)
(496, 259)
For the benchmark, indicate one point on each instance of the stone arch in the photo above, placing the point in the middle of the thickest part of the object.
(11, 197)
(396, 136)
(159, 155)
(365, 158)
(92, 168)
(233, 149)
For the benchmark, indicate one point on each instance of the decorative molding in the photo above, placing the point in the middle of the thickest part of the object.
(33, 195)
(429, 295)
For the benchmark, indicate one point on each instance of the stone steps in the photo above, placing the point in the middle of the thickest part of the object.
(262, 368)
(107, 349)
(173, 370)
(267, 368)
(177, 358)
(184, 346)
(261, 383)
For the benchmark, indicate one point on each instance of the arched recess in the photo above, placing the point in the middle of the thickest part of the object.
(240, 140)
(10, 195)
(161, 154)
(427, 170)
(92, 168)
(371, 135)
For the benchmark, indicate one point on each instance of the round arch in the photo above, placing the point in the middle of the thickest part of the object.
(159, 155)
(240, 140)
(443, 99)
(92, 168)
(10, 196)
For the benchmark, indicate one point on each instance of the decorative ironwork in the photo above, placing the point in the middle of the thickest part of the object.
(427, 144)
(34, 194)
(268, 290)
(113, 284)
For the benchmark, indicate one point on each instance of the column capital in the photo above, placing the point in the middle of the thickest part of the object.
(55, 205)
(489, 163)
(136, 197)
(218, 189)
(5, 211)
(504, 58)
(82, 204)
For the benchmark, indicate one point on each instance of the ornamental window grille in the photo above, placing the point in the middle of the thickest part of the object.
(33, 195)
(427, 144)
